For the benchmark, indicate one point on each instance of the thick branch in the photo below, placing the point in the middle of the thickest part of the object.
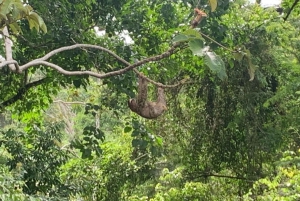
(8, 48)
(42, 61)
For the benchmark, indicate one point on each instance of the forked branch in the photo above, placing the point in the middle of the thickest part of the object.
(129, 66)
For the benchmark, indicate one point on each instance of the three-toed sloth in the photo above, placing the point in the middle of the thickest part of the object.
(145, 108)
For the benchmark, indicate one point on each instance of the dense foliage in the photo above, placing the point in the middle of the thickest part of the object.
(231, 131)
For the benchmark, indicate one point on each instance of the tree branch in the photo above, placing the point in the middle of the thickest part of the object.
(226, 176)
(289, 12)
(21, 93)
(8, 48)
(209, 38)
(69, 103)
(42, 61)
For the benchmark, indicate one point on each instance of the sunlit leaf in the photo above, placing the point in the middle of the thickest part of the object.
(159, 141)
(35, 21)
(44, 28)
(19, 11)
(213, 5)
(15, 28)
(5, 8)
(197, 47)
(215, 64)
(33, 24)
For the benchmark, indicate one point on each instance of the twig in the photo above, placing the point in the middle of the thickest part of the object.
(69, 103)
(226, 48)
(226, 176)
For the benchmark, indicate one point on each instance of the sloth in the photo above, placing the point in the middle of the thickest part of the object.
(145, 108)
(200, 15)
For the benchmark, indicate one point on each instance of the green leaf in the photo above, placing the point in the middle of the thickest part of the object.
(238, 56)
(86, 153)
(5, 8)
(19, 11)
(100, 135)
(15, 28)
(159, 141)
(44, 28)
(215, 64)
(35, 21)
(33, 24)
(180, 38)
(86, 138)
(196, 46)
(135, 142)
(139, 143)
(191, 33)
(98, 151)
(213, 5)
(252, 67)
(127, 129)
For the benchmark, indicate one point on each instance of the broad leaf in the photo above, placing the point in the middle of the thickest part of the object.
(196, 46)
(191, 33)
(15, 28)
(213, 5)
(35, 21)
(86, 153)
(136, 142)
(19, 11)
(139, 143)
(215, 64)
(180, 38)
(127, 129)
(5, 8)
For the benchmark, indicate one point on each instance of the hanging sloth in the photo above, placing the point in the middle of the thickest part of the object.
(145, 108)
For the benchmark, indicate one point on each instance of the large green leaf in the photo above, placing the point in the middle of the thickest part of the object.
(19, 11)
(35, 21)
(180, 38)
(213, 5)
(15, 28)
(196, 46)
(5, 8)
(191, 33)
(215, 64)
